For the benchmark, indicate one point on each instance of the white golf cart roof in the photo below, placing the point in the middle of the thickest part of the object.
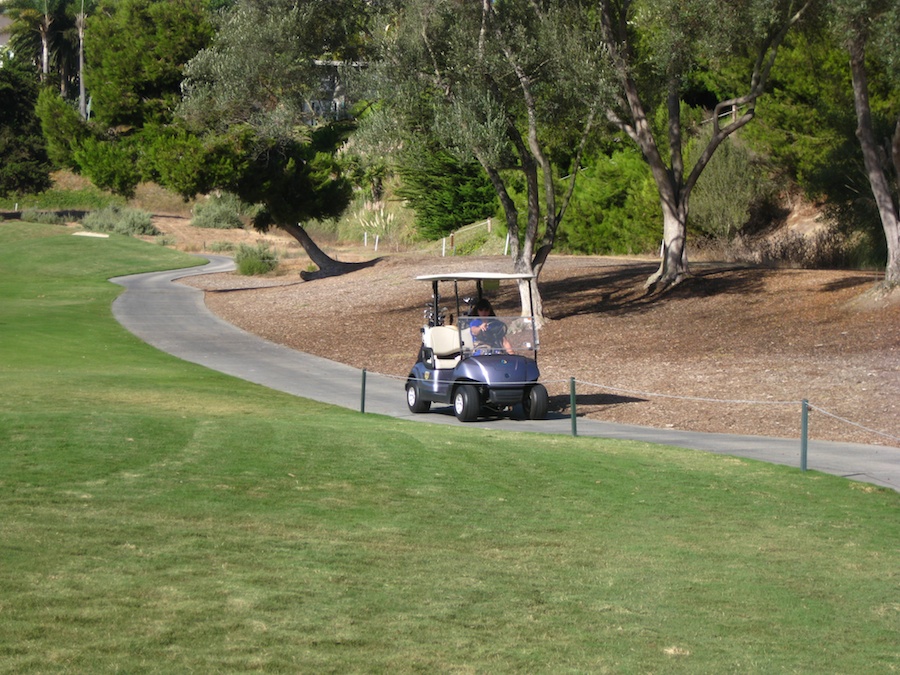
(473, 276)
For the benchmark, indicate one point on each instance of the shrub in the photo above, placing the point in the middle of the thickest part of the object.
(615, 208)
(116, 219)
(24, 166)
(111, 165)
(253, 260)
(44, 217)
(733, 184)
(221, 212)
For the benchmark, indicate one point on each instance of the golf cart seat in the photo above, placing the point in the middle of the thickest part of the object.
(444, 343)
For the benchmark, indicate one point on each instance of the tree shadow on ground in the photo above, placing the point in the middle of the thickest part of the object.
(338, 269)
(621, 290)
(851, 282)
(564, 401)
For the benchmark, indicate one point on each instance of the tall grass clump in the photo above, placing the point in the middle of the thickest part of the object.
(120, 220)
(220, 212)
(255, 260)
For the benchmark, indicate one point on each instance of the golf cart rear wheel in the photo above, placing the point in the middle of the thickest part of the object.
(536, 402)
(465, 403)
(414, 399)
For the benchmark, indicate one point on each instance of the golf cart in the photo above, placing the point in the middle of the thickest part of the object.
(479, 364)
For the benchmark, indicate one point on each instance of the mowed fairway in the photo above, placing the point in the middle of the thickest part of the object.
(159, 517)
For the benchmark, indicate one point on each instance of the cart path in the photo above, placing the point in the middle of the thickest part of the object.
(173, 318)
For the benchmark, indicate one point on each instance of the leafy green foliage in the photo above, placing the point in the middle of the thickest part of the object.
(137, 56)
(120, 220)
(252, 87)
(806, 119)
(253, 260)
(62, 127)
(84, 199)
(110, 164)
(24, 166)
(615, 209)
(190, 164)
(295, 182)
(445, 193)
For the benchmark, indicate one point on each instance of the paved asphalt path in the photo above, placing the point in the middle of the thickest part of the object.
(173, 318)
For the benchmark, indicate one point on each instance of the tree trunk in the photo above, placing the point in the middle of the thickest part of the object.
(673, 266)
(82, 97)
(874, 163)
(892, 228)
(522, 263)
(328, 266)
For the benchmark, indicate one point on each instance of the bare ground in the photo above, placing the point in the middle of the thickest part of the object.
(730, 350)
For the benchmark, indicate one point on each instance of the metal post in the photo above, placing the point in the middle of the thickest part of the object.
(362, 401)
(572, 406)
(804, 432)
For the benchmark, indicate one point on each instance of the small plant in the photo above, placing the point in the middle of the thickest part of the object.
(222, 212)
(131, 222)
(166, 241)
(255, 260)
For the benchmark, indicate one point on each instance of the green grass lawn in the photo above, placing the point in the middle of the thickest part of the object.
(160, 517)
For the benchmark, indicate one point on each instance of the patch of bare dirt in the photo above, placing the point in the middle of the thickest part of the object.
(730, 350)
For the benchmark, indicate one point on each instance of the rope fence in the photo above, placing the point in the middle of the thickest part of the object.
(573, 383)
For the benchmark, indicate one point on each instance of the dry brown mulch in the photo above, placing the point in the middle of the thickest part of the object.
(724, 336)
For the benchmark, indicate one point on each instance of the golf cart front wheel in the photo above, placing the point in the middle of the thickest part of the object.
(414, 399)
(536, 402)
(466, 404)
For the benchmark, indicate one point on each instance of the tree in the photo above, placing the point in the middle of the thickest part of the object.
(859, 24)
(24, 167)
(256, 84)
(64, 130)
(52, 31)
(650, 50)
(137, 54)
(501, 82)
(34, 27)
(444, 192)
(80, 24)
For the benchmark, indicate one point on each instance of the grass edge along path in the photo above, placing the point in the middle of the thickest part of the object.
(160, 517)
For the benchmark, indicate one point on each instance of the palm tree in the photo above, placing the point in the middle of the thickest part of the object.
(33, 28)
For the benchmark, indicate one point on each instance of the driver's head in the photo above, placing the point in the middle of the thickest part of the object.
(483, 308)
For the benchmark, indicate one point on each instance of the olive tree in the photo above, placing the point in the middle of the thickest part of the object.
(649, 51)
(256, 85)
(502, 82)
(859, 25)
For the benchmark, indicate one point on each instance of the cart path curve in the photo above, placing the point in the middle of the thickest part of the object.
(173, 318)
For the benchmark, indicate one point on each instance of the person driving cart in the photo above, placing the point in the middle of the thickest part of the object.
(488, 334)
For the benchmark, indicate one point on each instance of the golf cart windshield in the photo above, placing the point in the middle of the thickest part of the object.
(499, 335)
(451, 318)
